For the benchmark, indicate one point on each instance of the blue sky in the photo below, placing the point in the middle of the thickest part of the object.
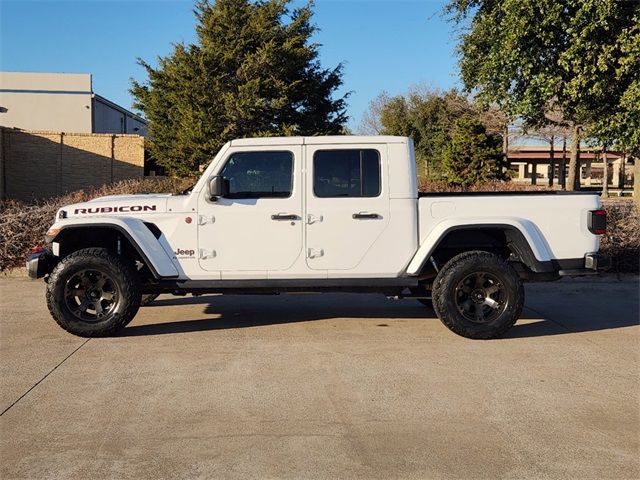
(384, 44)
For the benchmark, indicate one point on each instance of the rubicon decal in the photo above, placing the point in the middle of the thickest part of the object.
(122, 209)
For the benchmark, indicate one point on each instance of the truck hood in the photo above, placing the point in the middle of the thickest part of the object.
(117, 205)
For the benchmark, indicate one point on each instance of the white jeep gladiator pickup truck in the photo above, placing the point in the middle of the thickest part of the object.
(316, 214)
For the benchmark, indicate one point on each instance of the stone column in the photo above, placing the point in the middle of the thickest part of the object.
(605, 173)
(587, 173)
(534, 173)
(562, 171)
(616, 173)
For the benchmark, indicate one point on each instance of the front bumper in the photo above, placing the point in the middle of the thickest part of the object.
(594, 263)
(40, 264)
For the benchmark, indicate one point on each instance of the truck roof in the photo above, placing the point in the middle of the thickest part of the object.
(320, 140)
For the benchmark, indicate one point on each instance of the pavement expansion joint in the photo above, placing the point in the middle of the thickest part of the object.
(43, 378)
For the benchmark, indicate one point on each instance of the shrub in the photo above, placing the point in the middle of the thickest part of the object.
(622, 240)
(472, 155)
(490, 186)
(23, 225)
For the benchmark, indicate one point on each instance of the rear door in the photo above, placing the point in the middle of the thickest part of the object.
(347, 204)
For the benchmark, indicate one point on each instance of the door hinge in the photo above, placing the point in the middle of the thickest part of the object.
(204, 254)
(313, 253)
(313, 219)
(204, 219)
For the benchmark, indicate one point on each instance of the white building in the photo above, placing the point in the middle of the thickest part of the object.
(61, 102)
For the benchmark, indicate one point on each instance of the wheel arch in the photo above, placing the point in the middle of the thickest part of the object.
(140, 237)
(520, 236)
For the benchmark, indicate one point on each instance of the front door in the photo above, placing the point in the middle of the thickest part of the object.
(257, 227)
(347, 204)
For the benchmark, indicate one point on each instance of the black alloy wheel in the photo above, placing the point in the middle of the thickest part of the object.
(480, 297)
(91, 294)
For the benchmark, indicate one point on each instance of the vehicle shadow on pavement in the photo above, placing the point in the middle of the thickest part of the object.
(234, 312)
(244, 311)
(545, 327)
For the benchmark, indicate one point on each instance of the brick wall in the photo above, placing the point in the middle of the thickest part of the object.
(46, 164)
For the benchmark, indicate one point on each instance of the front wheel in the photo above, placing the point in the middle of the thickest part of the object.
(93, 293)
(478, 295)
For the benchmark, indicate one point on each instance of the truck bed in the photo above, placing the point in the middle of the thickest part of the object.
(560, 218)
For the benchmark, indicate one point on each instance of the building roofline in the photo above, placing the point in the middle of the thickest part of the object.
(111, 104)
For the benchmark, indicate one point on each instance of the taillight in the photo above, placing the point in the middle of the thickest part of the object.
(597, 222)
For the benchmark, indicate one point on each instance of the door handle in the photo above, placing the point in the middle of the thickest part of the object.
(365, 216)
(284, 216)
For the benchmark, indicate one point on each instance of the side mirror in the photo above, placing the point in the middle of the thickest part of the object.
(218, 187)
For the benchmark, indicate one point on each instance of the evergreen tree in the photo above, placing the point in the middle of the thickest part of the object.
(472, 155)
(253, 71)
(429, 117)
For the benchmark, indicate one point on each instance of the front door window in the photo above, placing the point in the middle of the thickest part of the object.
(259, 175)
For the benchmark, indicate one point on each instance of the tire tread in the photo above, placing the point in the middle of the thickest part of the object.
(450, 270)
(130, 284)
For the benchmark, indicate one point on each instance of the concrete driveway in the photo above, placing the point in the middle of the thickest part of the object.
(324, 386)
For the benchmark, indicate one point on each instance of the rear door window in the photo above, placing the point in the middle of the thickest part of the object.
(346, 173)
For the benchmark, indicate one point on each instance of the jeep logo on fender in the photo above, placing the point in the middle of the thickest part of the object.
(184, 253)
(124, 209)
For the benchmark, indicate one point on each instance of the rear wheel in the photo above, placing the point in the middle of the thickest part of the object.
(93, 293)
(478, 295)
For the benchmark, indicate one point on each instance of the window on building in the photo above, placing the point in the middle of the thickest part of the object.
(259, 174)
(346, 173)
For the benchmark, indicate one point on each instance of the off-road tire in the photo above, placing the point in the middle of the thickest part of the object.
(148, 298)
(120, 274)
(449, 282)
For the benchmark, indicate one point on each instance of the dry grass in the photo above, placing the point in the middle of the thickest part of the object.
(22, 225)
